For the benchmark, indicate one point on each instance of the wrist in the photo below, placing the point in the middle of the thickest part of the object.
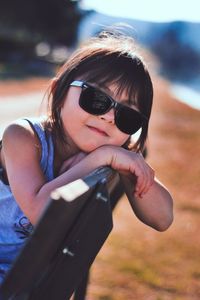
(102, 156)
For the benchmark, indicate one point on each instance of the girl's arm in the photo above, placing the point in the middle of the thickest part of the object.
(154, 208)
(150, 200)
(21, 160)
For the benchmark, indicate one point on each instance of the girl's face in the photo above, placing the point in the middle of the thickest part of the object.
(86, 131)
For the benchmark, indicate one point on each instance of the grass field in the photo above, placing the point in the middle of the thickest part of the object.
(137, 262)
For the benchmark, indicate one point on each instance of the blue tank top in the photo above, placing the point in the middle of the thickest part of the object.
(15, 228)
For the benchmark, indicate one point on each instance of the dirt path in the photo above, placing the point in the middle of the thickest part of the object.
(20, 99)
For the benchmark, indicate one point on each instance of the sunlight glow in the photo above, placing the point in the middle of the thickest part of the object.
(154, 10)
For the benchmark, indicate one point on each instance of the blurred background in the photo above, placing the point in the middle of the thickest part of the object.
(36, 37)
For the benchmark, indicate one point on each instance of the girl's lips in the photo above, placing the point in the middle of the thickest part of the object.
(99, 131)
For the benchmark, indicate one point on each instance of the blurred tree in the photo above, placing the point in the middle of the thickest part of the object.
(24, 24)
(53, 20)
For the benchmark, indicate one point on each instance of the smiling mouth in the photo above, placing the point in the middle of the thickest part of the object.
(94, 129)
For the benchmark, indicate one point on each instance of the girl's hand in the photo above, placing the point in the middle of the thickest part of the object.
(127, 162)
(72, 161)
(121, 160)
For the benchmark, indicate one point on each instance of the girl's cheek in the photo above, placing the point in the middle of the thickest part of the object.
(122, 139)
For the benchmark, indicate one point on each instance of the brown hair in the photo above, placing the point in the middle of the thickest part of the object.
(109, 58)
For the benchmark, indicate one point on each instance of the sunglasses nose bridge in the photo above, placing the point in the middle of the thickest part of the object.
(109, 114)
(114, 105)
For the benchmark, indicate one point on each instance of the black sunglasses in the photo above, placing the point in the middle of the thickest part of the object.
(96, 102)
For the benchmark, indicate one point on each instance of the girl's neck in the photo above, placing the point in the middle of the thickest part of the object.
(64, 147)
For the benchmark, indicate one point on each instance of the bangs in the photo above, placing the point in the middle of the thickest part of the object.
(123, 72)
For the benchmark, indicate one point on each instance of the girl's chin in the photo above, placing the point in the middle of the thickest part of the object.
(89, 147)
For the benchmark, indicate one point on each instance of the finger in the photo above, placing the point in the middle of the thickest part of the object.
(138, 171)
(141, 173)
(149, 180)
(146, 178)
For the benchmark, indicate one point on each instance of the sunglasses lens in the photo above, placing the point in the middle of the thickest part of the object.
(94, 102)
(128, 120)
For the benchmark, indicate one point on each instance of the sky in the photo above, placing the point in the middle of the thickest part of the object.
(149, 10)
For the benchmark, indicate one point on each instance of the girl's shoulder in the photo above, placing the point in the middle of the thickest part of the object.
(24, 128)
(26, 142)
(22, 133)
(18, 130)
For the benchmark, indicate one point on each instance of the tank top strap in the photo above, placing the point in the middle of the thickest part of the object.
(47, 147)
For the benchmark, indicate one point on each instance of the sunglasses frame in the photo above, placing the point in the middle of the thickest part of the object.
(114, 104)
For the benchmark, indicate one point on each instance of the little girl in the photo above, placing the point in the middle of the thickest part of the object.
(100, 97)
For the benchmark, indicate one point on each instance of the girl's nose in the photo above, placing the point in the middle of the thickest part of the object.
(109, 117)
